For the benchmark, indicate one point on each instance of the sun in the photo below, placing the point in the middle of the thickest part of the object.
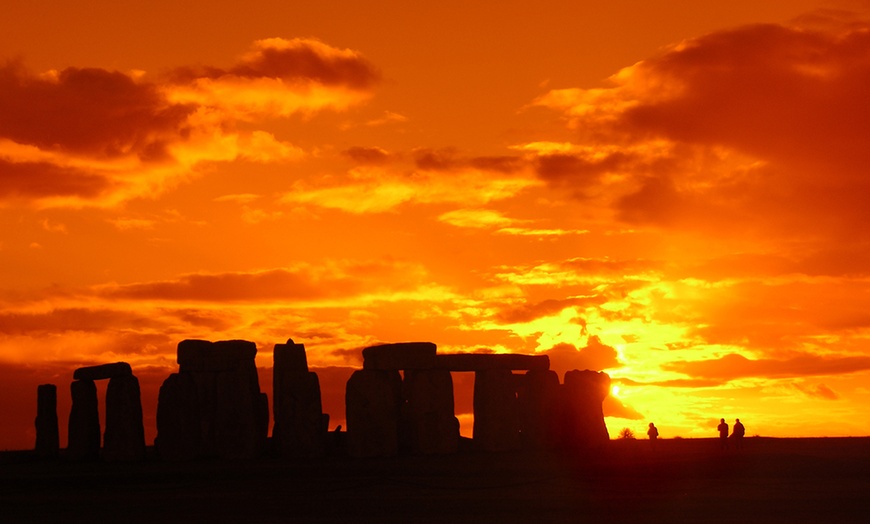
(614, 391)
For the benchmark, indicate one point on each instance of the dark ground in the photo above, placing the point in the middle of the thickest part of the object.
(683, 480)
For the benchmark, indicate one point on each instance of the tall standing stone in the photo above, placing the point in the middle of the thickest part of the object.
(372, 403)
(539, 409)
(297, 405)
(496, 425)
(179, 435)
(124, 438)
(428, 422)
(584, 392)
(47, 436)
(84, 422)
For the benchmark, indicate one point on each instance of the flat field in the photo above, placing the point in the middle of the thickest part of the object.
(681, 480)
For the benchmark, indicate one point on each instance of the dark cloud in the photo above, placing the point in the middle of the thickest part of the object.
(92, 111)
(294, 61)
(40, 179)
(71, 319)
(368, 156)
(735, 366)
(613, 407)
(450, 159)
(546, 308)
(596, 356)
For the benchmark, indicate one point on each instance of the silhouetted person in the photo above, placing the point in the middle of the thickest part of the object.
(653, 434)
(738, 433)
(723, 433)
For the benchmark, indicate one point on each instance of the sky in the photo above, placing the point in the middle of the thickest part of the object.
(671, 192)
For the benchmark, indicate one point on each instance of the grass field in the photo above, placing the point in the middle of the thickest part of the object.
(683, 480)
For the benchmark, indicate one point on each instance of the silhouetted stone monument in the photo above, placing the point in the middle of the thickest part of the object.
(538, 400)
(213, 406)
(124, 437)
(428, 421)
(372, 404)
(299, 429)
(47, 436)
(84, 422)
(400, 356)
(496, 422)
(584, 391)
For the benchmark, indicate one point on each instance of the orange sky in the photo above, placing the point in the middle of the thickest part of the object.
(673, 192)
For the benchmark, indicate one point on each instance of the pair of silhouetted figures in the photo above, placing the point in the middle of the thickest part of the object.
(736, 434)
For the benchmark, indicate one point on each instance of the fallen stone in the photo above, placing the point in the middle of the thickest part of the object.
(400, 356)
(124, 438)
(47, 436)
(372, 402)
(103, 371)
(492, 361)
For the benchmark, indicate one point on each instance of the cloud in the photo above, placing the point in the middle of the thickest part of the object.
(302, 283)
(437, 177)
(734, 366)
(279, 77)
(596, 356)
(96, 137)
(760, 126)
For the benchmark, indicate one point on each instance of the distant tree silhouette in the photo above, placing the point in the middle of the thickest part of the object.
(626, 434)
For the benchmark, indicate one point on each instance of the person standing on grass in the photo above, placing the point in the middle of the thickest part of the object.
(723, 433)
(738, 433)
(653, 434)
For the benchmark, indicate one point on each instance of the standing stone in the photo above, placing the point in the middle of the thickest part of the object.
(372, 403)
(496, 425)
(297, 406)
(584, 391)
(217, 396)
(84, 422)
(124, 439)
(47, 436)
(538, 401)
(178, 419)
(428, 421)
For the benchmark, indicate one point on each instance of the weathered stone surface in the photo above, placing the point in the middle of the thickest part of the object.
(124, 438)
(217, 397)
(290, 358)
(47, 436)
(179, 434)
(223, 355)
(84, 422)
(103, 371)
(496, 425)
(490, 361)
(538, 401)
(372, 403)
(400, 356)
(299, 430)
(584, 391)
(428, 422)
(297, 406)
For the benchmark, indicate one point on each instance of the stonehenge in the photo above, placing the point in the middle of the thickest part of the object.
(400, 402)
